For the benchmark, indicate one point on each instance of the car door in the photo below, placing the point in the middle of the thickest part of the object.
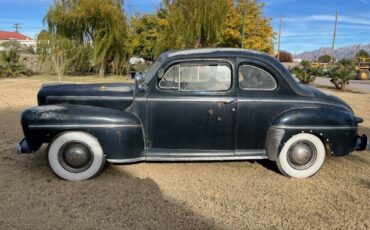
(192, 109)
(261, 96)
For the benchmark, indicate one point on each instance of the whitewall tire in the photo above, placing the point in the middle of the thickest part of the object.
(75, 156)
(301, 156)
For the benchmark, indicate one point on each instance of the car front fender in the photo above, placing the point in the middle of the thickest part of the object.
(119, 132)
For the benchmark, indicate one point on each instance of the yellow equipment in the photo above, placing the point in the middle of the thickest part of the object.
(363, 68)
(319, 64)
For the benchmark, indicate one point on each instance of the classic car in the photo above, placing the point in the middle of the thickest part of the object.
(192, 105)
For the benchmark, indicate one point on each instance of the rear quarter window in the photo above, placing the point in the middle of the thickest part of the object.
(254, 78)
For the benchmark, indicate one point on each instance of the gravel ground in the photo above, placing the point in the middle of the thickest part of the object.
(231, 195)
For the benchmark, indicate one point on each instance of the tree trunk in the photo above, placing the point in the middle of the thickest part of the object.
(336, 84)
(57, 67)
(59, 77)
(343, 86)
(102, 70)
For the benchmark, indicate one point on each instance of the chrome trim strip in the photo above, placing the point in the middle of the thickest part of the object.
(269, 100)
(192, 99)
(172, 157)
(280, 101)
(249, 152)
(131, 160)
(83, 98)
(216, 158)
(187, 153)
(313, 127)
(226, 99)
(140, 99)
(81, 126)
(290, 101)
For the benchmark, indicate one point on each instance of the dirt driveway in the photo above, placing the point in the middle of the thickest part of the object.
(232, 195)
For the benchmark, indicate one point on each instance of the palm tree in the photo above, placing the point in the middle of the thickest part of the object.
(306, 73)
(10, 63)
(341, 74)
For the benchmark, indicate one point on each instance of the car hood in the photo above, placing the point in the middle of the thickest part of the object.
(112, 95)
(322, 96)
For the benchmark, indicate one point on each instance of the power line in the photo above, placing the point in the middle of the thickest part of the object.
(17, 27)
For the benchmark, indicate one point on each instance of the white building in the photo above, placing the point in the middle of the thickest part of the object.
(15, 36)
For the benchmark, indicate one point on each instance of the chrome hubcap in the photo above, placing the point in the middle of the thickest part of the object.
(75, 157)
(302, 155)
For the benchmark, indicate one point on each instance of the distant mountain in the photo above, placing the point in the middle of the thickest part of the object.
(340, 53)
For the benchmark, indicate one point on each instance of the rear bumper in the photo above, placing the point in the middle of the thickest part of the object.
(23, 147)
(362, 143)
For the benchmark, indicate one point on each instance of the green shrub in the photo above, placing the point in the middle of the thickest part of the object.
(362, 54)
(306, 73)
(324, 58)
(10, 63)
(341, 73)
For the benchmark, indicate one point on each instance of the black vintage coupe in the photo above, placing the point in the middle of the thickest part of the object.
(192, 105)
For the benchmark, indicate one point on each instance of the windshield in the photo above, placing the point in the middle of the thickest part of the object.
(152, 71)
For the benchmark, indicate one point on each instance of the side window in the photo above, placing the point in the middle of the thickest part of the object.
(170, 79)
(197, 77)
(254, 78)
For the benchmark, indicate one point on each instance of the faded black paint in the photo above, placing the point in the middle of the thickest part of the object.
(134, 122)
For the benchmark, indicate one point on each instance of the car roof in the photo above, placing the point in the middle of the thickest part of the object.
(236, 52)
(214, 52)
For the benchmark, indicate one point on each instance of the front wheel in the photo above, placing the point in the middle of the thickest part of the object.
(76, 156)
(302, 156)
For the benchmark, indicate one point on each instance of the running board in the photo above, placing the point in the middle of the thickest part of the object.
(204, 158)
(182, 157)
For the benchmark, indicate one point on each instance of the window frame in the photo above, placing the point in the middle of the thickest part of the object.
(263, 70)
(164, 73)
(226, 63)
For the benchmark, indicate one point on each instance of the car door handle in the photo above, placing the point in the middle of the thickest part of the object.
(229, 101)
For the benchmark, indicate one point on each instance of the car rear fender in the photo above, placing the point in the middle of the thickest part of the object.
(336, 128)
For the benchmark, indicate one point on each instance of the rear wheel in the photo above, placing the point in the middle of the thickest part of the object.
(76, 156)
(302, 156)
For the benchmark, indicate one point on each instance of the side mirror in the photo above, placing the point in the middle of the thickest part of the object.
(139, 80)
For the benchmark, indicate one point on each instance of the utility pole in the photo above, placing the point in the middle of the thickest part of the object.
(17, 27)
(243, 31)
(334, 37)
(279, 38)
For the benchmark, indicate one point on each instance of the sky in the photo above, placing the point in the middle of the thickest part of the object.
(307, 24)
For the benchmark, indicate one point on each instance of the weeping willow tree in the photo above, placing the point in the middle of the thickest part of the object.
(62, 54)
(193, 23)
(100, 24)
(216, 23)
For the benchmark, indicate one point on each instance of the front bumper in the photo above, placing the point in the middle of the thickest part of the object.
(362, 143)
(23, 147)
